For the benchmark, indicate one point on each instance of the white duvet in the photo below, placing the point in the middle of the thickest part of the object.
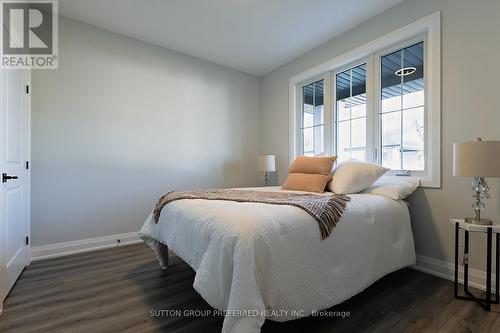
(263, 261)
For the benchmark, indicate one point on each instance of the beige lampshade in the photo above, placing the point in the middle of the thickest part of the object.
(266, 163)
(476, 159)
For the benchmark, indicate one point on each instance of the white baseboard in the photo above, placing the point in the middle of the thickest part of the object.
(83, 245)
(446, 270)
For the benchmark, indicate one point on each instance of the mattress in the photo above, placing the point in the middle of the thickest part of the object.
(259, 261)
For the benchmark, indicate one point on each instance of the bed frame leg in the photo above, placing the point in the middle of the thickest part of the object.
(162, 254)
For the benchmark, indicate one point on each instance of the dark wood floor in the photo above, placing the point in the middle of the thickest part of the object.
(115, 290)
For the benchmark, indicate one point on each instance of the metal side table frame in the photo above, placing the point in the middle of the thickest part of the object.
(489, 230)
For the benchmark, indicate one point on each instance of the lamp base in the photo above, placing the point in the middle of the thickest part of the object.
(473, 220)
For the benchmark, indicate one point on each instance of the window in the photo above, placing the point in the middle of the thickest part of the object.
(313, 119)
(401, 114)
(378, 103)
(399, 110)
(350, 117)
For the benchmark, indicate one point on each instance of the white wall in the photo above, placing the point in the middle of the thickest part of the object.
(121, 122)
(470, 107)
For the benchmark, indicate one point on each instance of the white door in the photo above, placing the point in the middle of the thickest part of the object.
(14, 177)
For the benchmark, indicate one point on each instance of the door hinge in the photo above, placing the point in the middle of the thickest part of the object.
(27, 165)
(27, 89)
(27, 240)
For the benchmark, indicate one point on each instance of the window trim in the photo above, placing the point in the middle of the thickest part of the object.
(430, 26)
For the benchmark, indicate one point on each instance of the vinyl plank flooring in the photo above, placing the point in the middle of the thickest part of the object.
(116, 290)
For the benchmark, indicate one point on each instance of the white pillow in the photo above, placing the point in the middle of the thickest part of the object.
(354, 176)
(397, 188)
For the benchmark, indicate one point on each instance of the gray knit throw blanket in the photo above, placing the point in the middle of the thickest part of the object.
(326, 209)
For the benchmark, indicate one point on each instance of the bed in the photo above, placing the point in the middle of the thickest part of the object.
(259, 261)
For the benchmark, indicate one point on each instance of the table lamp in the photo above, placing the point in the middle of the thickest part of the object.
(478, 159)
(266, 164)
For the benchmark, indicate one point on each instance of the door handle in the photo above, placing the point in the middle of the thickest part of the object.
(6, 177)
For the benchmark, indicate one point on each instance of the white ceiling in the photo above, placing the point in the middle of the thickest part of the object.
(254, 36)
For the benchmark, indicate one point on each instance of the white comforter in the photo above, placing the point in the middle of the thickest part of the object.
(267, 261)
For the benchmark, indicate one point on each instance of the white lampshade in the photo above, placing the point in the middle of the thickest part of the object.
(266, 163)
(476, 159)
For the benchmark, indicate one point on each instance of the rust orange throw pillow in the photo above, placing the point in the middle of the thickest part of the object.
(309, 174)
(306, 182)
(313, 165)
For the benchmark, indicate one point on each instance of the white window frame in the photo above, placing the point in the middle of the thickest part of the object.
(422, 175)
(326, 109)
(430, 27)
(369, 105)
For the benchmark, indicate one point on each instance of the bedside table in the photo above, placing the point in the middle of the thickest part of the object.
(489, 230)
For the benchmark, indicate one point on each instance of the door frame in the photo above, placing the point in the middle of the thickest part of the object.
(28, 87)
